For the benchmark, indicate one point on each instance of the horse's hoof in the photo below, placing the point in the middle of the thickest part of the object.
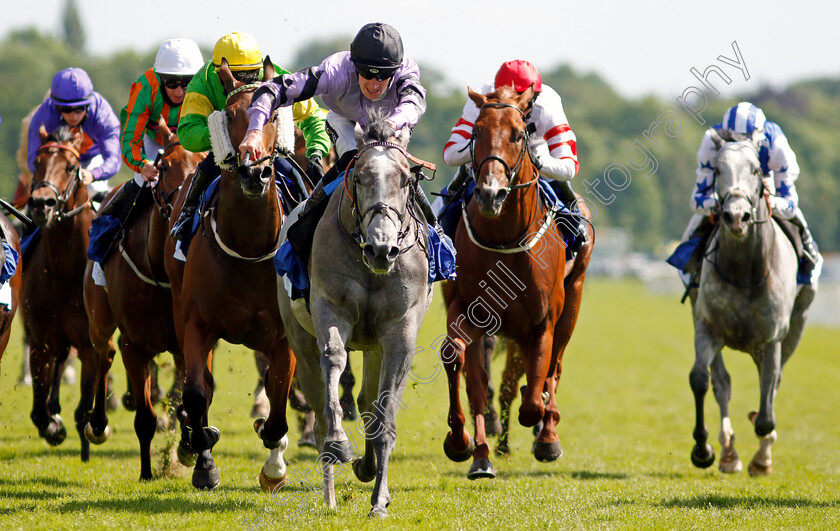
(378, 512)
(186, 455)
(455, 455)
(480, 469)
(755, 470)
(92, 436)
(213, 436)
(360, 472)
(492, 426)
(308, 439)
(703, 460)
(730, 465)
(128, 401)
(547, 452)
(268, 484)
(55, 433)
(336, 452)
(205, 474)
(503, 449)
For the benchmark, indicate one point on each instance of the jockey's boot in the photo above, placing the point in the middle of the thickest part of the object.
(198, 184)
(564, 192)
(427, 210)
(810, 253)
(122, 201)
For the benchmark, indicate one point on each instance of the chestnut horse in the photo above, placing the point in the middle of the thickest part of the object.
(52, 300)
(138, 301)
(7, 313)
(226, 289)
(513, 279)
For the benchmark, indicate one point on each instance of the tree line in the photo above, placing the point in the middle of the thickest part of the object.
(650, 181)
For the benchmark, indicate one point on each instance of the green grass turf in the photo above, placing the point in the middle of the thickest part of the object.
(627, 417)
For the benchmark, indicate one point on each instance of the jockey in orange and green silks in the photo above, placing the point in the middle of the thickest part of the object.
(206, 95)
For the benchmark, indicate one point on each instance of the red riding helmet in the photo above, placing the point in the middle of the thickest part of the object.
(521, 74)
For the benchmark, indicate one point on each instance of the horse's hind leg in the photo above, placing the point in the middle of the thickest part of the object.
(476, 377)
(492, 426)
(273, 431)
(770, 371)
(457, 445)
(722, 386)
(94, 375)
(337, 447)
(145, 418)
(761, 464)
(261, 405)
(514, 369)
(706, 348)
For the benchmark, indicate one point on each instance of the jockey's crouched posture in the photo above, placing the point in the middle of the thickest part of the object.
(552, 147)
(778, 162)
(206, 94)
(374, 76)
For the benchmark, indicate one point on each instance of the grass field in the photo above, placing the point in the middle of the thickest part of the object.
(627, 417)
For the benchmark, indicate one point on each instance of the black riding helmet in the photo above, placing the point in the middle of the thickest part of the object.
(377, 48)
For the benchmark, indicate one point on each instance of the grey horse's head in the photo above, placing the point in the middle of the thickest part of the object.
(738, 182)
(381, 187)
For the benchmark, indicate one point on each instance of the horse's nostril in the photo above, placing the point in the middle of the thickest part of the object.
(727, 218)
(746, 217)
(393, 253)
(368, 251)
(501, 195)
(50, 203)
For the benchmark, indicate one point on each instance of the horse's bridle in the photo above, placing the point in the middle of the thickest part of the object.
(62, 198)
(512, 173)
(247, 163)
(161, 197)
(381, 207)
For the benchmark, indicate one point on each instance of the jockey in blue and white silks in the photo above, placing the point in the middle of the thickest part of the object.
(778, 163)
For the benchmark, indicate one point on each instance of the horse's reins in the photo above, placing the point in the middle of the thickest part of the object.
(511, 173)
(739, 193)
(381, 207)
(62, 198)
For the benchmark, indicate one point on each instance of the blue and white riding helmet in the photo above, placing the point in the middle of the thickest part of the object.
(742, 120)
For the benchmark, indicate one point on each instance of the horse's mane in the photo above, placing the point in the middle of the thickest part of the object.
(62, 135)
(502, 93)
(379, 128)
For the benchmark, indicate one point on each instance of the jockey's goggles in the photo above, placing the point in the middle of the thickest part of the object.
(377, 74)
(173, 83)
(66, 109)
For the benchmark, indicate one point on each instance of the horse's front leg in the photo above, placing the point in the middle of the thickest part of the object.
(514, 369)
(722, 386)
(365, 466)
(477, 394)
(770, 373)
(706, 347)
(397, 351)
(43, 367)
(198, 393)
(333, 331)
(457, 445)
(145, 419)
(273, 431)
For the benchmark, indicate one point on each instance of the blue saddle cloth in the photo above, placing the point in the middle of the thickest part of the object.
(10, 263)
(102, 232)
(685, 250)
(449, 216)
(28, 242)
(288, 264)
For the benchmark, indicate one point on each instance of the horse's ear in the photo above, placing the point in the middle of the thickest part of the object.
(78, 140)
(163, 127)
(360, 137)
(403, 136)
(525, 98)
(478, 99)
(42, 133)
(756, 137)
(268, 69)
(226, 77)
(716, 138)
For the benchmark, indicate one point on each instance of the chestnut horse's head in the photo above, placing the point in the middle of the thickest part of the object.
(499, 146)
(174, 163)
(254, 176)
(57, 188)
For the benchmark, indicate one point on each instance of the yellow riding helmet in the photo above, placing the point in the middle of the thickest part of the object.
(241, 51)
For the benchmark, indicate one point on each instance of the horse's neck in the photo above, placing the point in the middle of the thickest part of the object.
(747, 259)
(65, 244)
(249, 226)
(520, 213)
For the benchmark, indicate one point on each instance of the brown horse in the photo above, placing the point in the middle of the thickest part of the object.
(7, 313)
(513, 279)
(138, 301)
(52, 301)
(227, 290)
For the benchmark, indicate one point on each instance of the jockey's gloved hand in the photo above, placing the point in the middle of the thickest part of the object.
(315, 167)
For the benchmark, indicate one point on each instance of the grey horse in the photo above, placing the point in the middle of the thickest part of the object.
(369, 291)
(747, 300)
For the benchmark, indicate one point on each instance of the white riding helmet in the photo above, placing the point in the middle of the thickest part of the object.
(178, 57)
(743, 119)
